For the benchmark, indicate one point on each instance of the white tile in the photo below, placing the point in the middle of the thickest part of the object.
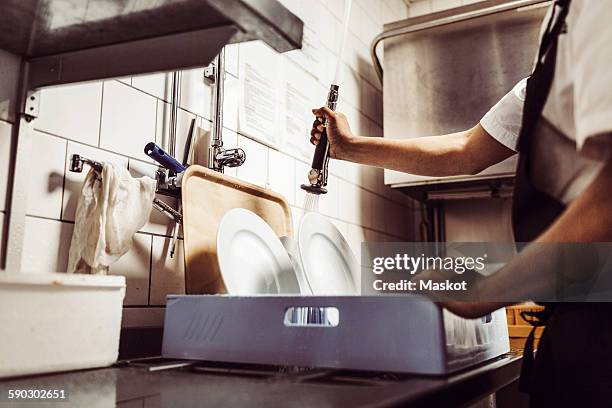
(157, 84)
(230, 102)
(366, 208)
(296, 216)
(10, 67)
(342, 227)
(135, 266)
(349, 205)
(5, 160)
(71, 111)
(46, 178)
(328, 72)
(351, 87)
(378, 213)
(331, 31)
(336, 7)
(232, 52)
(371, 102)
(46, 245)
(400, 8)
(351, 172)
(281, 171)
(439, 5)
(355, 237)
(167, 274)
(419, 8)
(366, 28)
(291, 5)
(301, 177)
(354, 118)
(389, 14)
(128, 120)
(373, 9)
(366, 177)
(196, 93)
(328, 203)
(162, 131)
(255, 168)
(74, 181)
(143, 317)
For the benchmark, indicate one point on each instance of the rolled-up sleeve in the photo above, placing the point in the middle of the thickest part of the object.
(503, 120)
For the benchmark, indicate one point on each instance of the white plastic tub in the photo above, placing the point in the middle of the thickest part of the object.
(57, 322)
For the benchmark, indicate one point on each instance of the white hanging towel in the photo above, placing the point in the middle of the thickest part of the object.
(110, 211)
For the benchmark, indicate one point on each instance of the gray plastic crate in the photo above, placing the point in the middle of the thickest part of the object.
(393, 334)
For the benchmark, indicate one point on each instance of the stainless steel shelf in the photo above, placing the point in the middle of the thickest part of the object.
(78, 40)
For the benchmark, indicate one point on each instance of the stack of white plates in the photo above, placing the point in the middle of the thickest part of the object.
(253, 260)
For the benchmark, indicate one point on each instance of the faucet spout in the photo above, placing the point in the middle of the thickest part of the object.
(229, 157)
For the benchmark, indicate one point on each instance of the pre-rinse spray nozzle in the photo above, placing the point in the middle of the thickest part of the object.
(317, 176)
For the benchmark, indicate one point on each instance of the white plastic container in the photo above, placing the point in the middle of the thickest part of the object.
(57, 322)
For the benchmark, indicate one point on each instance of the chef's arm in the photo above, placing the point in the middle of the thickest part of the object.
(467, 152)
(535, 272)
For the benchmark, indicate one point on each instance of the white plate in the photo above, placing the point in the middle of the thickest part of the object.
(329, 264)
(251, 257)
(293, 251)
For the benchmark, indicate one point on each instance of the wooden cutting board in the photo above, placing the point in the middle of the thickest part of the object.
(206, 197)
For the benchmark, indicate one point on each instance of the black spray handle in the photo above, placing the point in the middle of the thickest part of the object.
(320, 153)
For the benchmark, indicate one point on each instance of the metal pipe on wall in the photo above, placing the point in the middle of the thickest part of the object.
(218, 97)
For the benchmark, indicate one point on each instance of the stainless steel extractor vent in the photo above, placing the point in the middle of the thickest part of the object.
(443, 71)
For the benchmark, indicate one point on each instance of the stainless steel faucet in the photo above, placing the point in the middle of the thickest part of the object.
(219, 157)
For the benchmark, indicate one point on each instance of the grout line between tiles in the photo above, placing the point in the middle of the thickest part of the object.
(64, 179)
(101, 113)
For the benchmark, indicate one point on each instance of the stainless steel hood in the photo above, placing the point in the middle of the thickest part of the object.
(443, 71)
(76, 40)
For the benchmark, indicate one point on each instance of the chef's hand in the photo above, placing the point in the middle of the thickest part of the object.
(339, 133)
(462, 303)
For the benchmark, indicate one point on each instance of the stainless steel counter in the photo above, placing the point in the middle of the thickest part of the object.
(241, 385)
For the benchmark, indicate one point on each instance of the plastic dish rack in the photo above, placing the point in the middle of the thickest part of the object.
(407, 334)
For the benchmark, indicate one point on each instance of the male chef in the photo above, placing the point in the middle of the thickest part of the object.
(559, 120)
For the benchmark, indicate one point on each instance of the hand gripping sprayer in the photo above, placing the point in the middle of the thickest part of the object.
(317, 176)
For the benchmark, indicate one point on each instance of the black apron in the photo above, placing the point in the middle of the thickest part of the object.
(573, 366)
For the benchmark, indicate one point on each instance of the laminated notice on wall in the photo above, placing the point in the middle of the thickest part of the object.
(260, 82)
(296, 117)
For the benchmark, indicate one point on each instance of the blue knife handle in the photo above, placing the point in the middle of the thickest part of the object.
(156, 153)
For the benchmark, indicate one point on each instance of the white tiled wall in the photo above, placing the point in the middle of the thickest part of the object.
(114, 119)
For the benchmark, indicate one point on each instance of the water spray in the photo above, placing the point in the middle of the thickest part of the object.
(317, 176)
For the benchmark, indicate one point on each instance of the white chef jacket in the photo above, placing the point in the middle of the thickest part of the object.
(572, 149)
